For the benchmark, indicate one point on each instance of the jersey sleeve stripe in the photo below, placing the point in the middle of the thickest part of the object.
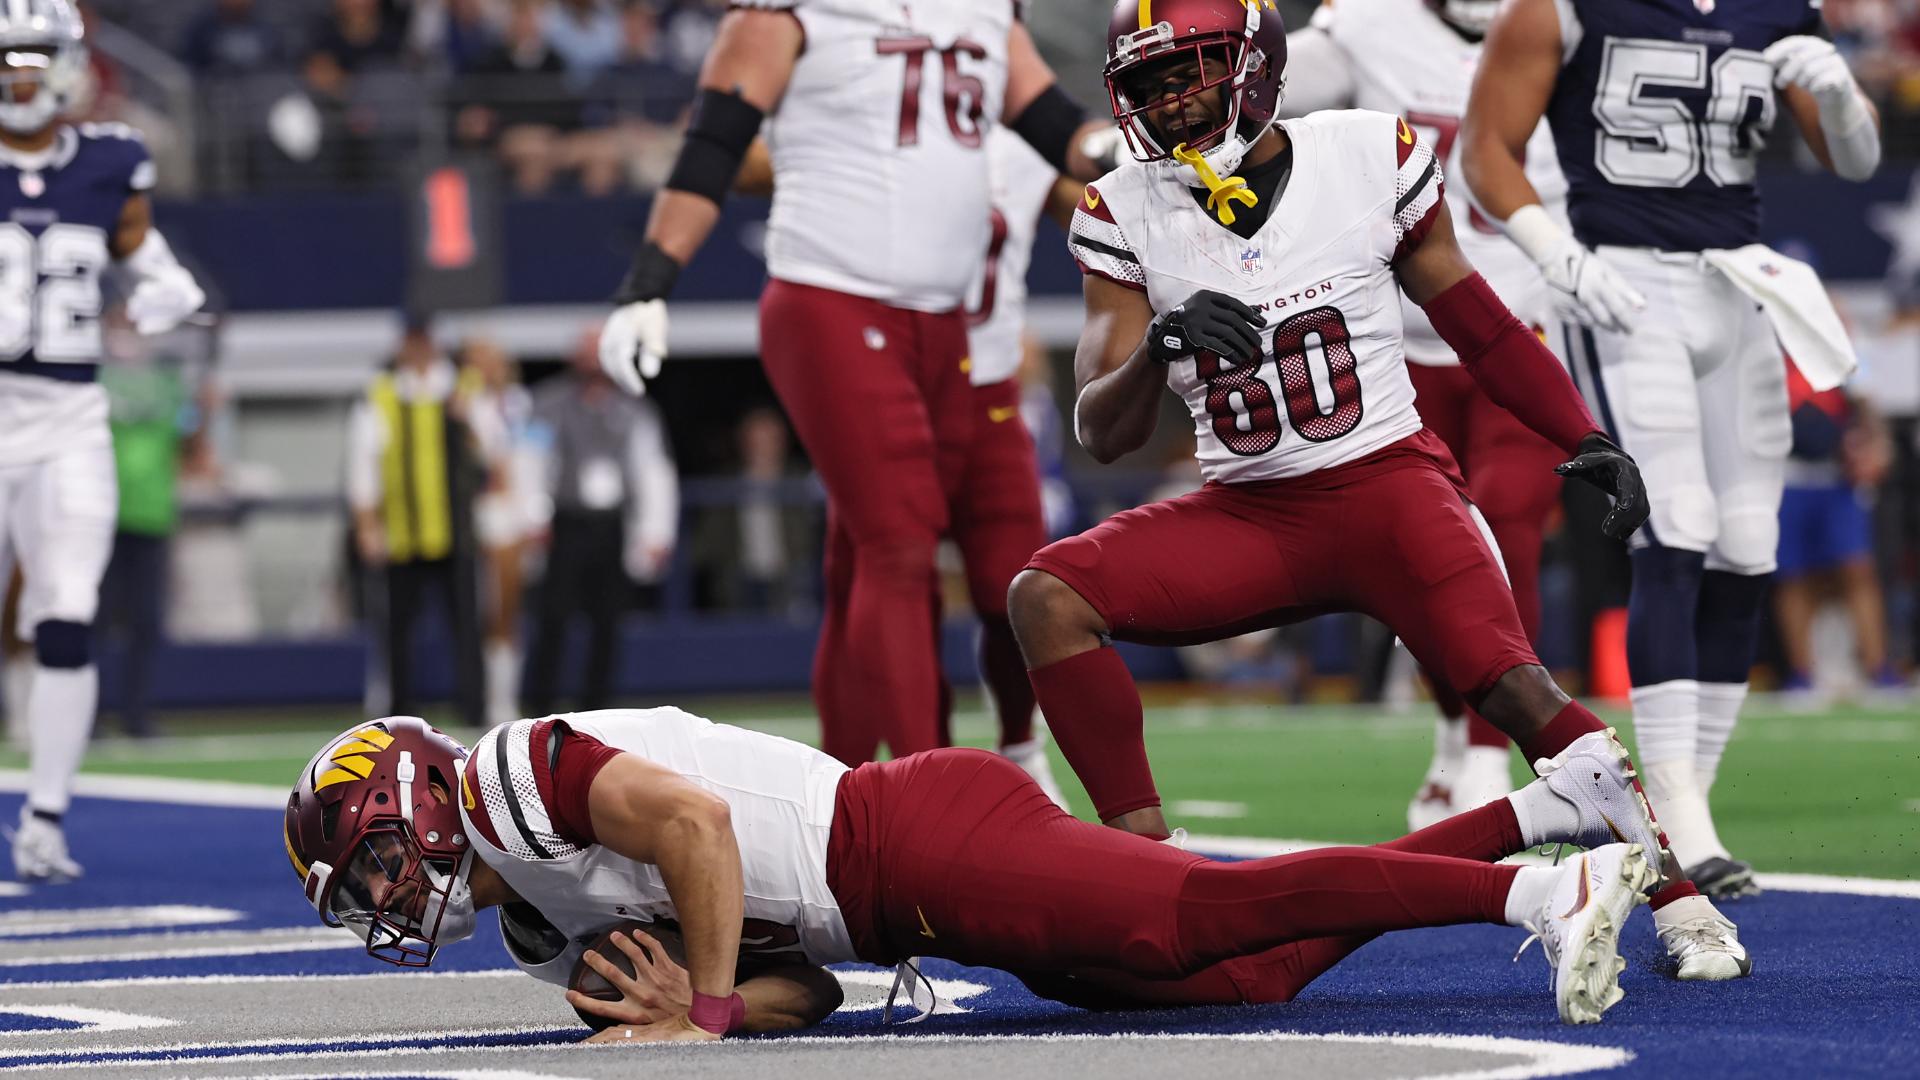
(1418, 190)
(1418, 187)
(522, 788)
(1101, 248)
(471, 787)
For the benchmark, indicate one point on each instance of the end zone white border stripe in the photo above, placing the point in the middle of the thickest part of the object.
(161, 789)
(92, 1021)
(1253, 847)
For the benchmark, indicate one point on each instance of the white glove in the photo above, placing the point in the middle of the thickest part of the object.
(1586, 289)
(161, 302)
(633, 344)
(1813, 65)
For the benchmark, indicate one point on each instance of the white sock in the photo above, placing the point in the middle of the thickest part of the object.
(1449, 748)
(1685, 909)
(1666, 721)
(1545, 818)
(1532, 885)
(60, 709)
(1719, 711)
(503, 682)
(1682, 809)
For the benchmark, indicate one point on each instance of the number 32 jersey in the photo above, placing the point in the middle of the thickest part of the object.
(59, 209)
(880, 173)
(1331, 385)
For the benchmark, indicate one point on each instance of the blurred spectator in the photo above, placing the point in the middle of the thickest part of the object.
(454, 34)
(688, 28)
(151, 413)
(752, 546)
(416, 449)
(616, 511)
(586, 35)
(353, 35)
(1840, 453)
(513, 101)
(1040, 411)
(507, 514)
(230, 38)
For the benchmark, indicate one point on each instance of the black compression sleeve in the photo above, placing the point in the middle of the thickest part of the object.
(723, 127)
(1049, 123)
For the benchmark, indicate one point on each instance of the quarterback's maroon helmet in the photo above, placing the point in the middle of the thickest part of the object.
(1246, 37)
(373, 829)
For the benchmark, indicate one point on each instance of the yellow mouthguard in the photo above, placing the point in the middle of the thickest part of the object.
(1221, 194)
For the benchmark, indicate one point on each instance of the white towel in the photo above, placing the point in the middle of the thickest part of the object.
(1797, 305)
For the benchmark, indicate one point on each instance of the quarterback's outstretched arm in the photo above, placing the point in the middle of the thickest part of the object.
(654, 815)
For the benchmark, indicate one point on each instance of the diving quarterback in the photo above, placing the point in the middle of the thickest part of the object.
(1659, 109)
(73, 202)
(878, 116)
(1255, 268)
(574, 824)
(1416, 59)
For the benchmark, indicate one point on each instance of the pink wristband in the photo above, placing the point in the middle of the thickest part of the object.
(717, 1014)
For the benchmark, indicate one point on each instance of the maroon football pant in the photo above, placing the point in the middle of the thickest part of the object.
(1487, 834)
(997, 523)
(956, 853)
(1510, 477)
(880, 398)
(1388, 535)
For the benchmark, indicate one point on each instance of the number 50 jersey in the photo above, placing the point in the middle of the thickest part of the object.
(1331, 385)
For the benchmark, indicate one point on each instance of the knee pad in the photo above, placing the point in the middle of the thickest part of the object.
(59, 644)
(1686, 518)
(1749, 542)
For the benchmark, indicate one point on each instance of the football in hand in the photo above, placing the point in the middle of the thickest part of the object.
(589, 982)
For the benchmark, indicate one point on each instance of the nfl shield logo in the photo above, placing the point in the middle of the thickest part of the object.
(1250, 260)
(1705, 6)
(31, 185)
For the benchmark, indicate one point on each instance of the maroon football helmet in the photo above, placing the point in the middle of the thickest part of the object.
(373, 829)
(1245, 36)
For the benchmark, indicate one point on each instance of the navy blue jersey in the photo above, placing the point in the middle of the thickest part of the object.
(58, 212)
(1659, 112)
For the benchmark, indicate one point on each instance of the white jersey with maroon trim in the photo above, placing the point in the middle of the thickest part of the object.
(997, 304)
(1331, 385)
(880, 171)
(1405, 60)
(780, 795)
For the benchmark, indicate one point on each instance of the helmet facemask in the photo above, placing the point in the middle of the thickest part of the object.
(404, 905)
(38, 82)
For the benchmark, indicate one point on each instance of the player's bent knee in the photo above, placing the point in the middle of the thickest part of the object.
(59, 644)
(1747, 545)
(1038, 600)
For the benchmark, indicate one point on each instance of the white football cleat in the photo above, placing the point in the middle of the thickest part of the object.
(1593, 773)
(1031, 756)
(40, 851)
(1705, 944)
(1579, 927)
(1431, 805)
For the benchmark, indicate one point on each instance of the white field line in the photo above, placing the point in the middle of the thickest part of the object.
(1206, 808)
(1544, 1058)
(93, 1021)
(47, 922)
(288, 941)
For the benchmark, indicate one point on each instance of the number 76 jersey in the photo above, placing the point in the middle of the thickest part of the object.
(1331, 384)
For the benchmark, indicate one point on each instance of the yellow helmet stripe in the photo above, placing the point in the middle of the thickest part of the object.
(1146, 13)
(375, 736)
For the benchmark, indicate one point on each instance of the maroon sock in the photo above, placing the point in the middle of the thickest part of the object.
(1485, 834)
(1567, 725)
(1232, 909)
(1006, 677)
(1679, 890)
(1093, 710)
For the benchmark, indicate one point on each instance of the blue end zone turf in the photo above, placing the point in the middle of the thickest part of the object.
(1835, 989)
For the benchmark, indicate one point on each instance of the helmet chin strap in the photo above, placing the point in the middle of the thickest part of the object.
(457, 917)
(1221, 194)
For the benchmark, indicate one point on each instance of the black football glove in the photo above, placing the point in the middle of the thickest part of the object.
(1608, 468)
(1207, 321)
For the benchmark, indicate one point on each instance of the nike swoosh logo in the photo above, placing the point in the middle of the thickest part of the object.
(925, 930)
(1615, 830)
(1580, 901)
(1000, 414)
(1093, 199)
(1406, 133)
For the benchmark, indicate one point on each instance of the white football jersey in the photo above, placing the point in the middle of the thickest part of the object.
(997, 303)
(780, 794)
(1408, 62)
(1332, 384)
(879, 162)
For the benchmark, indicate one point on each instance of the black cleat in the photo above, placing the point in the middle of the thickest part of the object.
(1723, 879)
